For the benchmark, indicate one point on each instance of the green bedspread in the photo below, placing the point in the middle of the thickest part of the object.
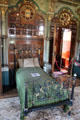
(41, 88)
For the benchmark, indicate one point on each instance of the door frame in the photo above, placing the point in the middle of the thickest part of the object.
(54, 46)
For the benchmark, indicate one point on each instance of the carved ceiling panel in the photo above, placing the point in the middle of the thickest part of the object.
(64, 17)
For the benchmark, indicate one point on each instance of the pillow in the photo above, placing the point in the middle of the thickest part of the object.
(36, 62)
(28, 62)
(21, 63)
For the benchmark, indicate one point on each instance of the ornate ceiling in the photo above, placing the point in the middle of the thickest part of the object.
(46, 6)
(12, 2)
(43, 3)
(75, 1)
(70, 2)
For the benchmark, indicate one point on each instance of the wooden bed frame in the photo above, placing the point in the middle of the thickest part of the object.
(65, 103)
(25, 49)
(31, 51)
(28, 52)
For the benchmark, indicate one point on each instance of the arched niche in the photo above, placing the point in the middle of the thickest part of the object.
(23, 16)
(25, 34)
(63, 21)
(26, 27)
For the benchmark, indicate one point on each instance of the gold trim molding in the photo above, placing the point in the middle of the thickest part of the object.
(3, 10)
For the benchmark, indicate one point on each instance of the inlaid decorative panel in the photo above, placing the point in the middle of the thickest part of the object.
(27, 12)
(26, 30)
(25, 20)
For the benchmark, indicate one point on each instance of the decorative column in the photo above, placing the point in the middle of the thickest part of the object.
(4, 36)
(47, 38)
(77, 48)
(3, 39)
(54, 48)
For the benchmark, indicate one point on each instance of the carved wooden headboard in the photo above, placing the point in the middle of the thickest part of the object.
(22, 50)
(27, 51)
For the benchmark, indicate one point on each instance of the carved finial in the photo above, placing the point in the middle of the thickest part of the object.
(3, 10)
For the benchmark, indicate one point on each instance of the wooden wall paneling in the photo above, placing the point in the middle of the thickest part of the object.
(23, 45)
(58, 41)
(0, 58)
(0, 79)
(51, 42)
(73, 40)
(73, 27)
(51, 51)
(54, 48)
(11, 56)
(26, 31)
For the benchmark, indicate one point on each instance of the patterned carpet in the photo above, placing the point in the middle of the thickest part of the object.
(10, 110)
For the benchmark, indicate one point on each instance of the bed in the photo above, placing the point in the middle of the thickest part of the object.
(37, 89)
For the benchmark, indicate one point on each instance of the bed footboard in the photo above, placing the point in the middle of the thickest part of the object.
(72, 93)
(69, 86)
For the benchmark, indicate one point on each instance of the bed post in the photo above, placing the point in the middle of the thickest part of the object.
(72, 92)
(25, 107)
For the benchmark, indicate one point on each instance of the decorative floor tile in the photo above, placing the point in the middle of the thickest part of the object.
(10, 110)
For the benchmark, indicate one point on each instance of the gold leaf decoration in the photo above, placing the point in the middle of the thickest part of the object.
(27, 12)
(65, 17)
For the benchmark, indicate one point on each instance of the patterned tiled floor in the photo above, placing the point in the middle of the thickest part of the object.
(10, 110)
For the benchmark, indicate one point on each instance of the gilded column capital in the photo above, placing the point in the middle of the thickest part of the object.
(3, 10)
(50, 17)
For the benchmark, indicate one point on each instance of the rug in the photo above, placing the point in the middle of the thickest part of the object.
(10, 110)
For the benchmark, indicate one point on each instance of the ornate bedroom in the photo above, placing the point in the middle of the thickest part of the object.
(40, 60)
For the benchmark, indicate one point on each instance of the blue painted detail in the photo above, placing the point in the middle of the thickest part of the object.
(5, 76)
(76, 69)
